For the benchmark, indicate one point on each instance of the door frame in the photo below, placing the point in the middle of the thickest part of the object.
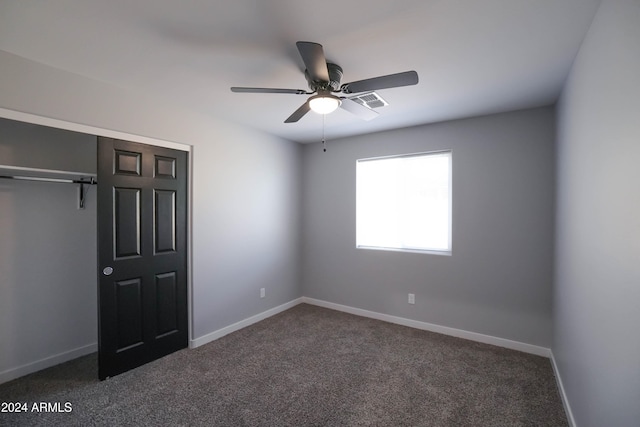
(97, 131)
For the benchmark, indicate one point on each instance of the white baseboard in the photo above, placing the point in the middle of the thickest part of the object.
(29, 368)
(197, 342)
(563, 395)
(459, 333)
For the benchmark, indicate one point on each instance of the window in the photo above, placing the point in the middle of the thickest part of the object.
(404, 203)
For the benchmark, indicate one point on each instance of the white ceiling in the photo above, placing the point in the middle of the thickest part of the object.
(473, 57)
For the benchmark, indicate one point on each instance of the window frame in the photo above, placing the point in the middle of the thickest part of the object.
(432, 251)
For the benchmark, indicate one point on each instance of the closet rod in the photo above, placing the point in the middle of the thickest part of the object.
(81, 195)
(92, 181)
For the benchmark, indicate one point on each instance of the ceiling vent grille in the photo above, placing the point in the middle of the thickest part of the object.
(370, 100)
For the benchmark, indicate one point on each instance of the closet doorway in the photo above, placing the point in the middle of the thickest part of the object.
(50, 298)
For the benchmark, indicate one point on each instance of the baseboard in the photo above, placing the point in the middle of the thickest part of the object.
(197, 342)
(563, 394)
(38, 365)
(29, 368)
(459, 333)
(445, 330)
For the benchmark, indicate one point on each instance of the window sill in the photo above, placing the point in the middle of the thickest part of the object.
(415, 251)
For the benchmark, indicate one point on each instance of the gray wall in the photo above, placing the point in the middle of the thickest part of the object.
(498, 279)
(597, 286)
(245, 192)
(48, 301)
(246, 228)
(43, 147)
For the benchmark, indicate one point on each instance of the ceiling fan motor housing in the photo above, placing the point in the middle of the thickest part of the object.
(333, 85)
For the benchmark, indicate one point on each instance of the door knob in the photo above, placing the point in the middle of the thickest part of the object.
(107, 271)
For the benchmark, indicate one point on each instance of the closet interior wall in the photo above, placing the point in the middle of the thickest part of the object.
(48, 251)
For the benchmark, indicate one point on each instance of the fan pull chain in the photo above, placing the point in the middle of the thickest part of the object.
(324, 143)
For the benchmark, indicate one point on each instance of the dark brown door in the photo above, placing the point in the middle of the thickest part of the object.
(142, 254)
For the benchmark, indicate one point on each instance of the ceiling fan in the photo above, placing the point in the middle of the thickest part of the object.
(324, 80)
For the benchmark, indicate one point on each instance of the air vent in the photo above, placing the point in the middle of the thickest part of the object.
(371, 100)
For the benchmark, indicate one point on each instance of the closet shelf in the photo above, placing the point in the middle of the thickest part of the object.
(18, 172)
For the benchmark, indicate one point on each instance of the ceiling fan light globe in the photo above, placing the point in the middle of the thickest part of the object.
(324, 104)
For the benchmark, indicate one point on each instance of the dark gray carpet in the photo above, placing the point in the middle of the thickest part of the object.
(308, 366)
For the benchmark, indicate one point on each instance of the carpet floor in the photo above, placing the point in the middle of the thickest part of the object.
(307, 366)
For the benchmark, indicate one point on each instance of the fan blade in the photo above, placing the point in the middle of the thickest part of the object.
(267, 90)
(407, 78)
(359, 110)
(313, 56)
(299, 113)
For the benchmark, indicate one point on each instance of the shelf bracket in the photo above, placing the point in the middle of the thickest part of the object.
(83, 193)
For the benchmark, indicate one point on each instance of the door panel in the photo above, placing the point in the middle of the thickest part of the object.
(167, 314)
(127, 221)
(129, 313)
(142, 205)
(127, 163)
(165, 167)
(165, 221)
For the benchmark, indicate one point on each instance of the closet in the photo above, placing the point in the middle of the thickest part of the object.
(48, 247)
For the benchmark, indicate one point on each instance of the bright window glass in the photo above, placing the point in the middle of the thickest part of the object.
(404, 202)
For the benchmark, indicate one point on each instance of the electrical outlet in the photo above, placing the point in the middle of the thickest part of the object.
(262, 293)
(412, 299)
